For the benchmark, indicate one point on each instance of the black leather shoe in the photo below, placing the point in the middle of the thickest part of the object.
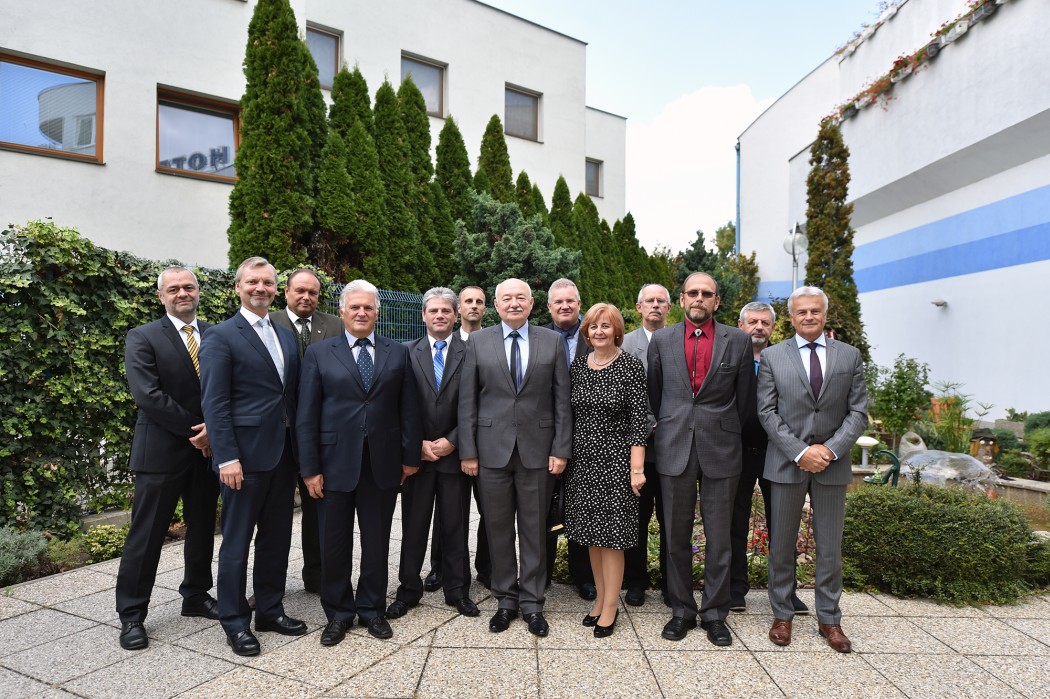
(537, 624)
(465, 606)
(677, 628)
(738, 605)
(798, 605)
(635, 596)
(606, 631)
(133, 636)
(589, 620)
(485, 580)
(500, 621)
(284, 625)
(432, 581)
(398, 608)
(205, 607)
(244, 643)
(334, 632)
(377, 627)
(313, 586)
(717, 632)
(587, 591)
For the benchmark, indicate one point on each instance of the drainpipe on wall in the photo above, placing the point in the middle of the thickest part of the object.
(737, 147)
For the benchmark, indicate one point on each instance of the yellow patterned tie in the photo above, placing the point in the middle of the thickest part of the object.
(191, 345)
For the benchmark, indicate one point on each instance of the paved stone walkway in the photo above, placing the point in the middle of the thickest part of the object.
(58, 638)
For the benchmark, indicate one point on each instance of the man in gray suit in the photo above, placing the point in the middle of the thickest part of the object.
(302, 293)
(699, 373)
(812, 401)
(654, 301)
(515, 431)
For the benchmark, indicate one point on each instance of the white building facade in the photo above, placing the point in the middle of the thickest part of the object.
(121, 121)
(950, 187)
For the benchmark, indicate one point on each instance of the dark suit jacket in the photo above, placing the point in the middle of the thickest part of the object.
(336, 414)
(712, 420)
(753, 435)
(493, 417)
(168, 394)
(246, 407)
(440, 409)
(322, 325)
(582, 348)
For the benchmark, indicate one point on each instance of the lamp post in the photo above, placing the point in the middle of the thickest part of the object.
(795, 244)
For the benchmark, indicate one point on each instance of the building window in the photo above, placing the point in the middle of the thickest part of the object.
(522, 114)
(324, 47)
(594, 177)
(196, 136)
(50, 110)
(429, 77)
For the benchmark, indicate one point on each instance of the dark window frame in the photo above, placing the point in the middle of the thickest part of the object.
(338, 36)
(443, 67)
(184, 100)
(537, 96)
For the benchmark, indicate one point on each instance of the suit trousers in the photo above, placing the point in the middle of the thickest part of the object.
(482, 559)
(263, 507)
(374, 509)
(828, 503)
(155, 500)
(311, 537)
(754, 461)
(636, 558)
(716, 511)
(522, 494)
(578, 557)
(451, 493)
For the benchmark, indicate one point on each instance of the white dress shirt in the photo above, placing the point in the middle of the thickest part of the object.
(523, 345)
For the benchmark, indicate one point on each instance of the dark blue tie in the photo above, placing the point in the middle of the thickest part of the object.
(567, 335)
(439, 362)
(515, 359)
(816, 378)
(364, 362)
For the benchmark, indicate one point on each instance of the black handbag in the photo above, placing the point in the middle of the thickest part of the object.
(556, 514)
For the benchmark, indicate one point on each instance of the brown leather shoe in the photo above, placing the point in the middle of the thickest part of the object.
(836, 639)
(780, 632)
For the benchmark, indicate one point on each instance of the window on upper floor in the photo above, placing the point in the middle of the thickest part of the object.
(594, 177)
(324, 47)
(50, 110)
(521, 116)
(196, 136)
(429, 77)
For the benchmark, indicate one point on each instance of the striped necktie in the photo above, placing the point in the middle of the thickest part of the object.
(439, 362)
(191, 345)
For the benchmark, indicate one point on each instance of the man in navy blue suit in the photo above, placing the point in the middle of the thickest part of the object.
(360, 437)
(249, 381)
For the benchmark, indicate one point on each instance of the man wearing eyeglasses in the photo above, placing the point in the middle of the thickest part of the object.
(699, 373)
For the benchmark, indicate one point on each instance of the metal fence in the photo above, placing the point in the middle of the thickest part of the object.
(400, 313)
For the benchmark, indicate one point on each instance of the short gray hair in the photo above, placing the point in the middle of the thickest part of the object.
(495, 293)
(807, 291)
(356, 286)
(641, 292)
(175, 269)
(758, 307)
(252, 263)
(442, 293)
(563, 283)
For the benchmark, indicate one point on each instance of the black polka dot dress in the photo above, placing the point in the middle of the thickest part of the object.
(609, 417)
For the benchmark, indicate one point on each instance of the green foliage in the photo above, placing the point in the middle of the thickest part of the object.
(1038, 441)
(1013, 463)
(444, 232)
(413, 108)
(561, 224)
(830, 262)
(948, 423)
(401, 241)
(696, 258)
(494, 162)
(452, 171)
(897, 396)
(350, 103)
(1037, 572)
(19, 551)
(67, 555)
(367, 197)
(595, 281)
(105, 542)
(943, 543)
(282, 133)
(539, 205)
(1036, 421)
(523, 194)
(336, 218)
(1015, 416)
(1007, 439)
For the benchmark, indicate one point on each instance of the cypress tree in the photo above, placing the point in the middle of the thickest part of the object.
(612, 265)
(413, 109)
(539, 205)
(444, 229)
(696, 258)
(561, 216)
(271, 205)
(336, 221)
(523, 194)
(593, 281)
(494, 162)
(830, 263)
(350, 101)
(396, 173)
(453, 171)
(370, 232)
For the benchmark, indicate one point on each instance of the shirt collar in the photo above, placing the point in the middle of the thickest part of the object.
(180, 324)
(821, 341)
(293, 317)
(351, 339)
(708, 328)
(250, 317)
(648, 333)
(431, 339)
(523, 331)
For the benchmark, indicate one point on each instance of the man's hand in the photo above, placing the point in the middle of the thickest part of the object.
(315, 485)
(428, 451)
(442, 447)
(556, 464)
(817, 458)
(407, 471)
(200, 440)
(232, 476)
(469, 466)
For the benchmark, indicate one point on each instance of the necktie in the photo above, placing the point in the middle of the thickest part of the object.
(364, 362)
(304, 335)
(816, 378)
(692, 372)
(191, 345)
(515, 359)
(439, 362)
(271, 346)
(567, 335)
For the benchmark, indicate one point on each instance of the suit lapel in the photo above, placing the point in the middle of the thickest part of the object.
(795, 357)
(425, 360)
(174, 336)
(453, 358)
(718, 350)
(678, 354)
(831, 354)
(345, 356)
(382, 355)
(247, 331)
(498, 347)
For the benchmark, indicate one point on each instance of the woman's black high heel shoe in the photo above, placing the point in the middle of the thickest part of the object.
(589, 620)
(605, 631)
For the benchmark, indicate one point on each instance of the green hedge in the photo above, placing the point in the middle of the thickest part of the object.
(943, 543)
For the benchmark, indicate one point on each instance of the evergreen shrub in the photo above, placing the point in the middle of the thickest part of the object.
(105, 542)
(19, 551)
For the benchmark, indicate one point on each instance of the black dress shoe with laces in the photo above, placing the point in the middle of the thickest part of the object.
(537, 624)
(334, 632)
(284, 625)
(377, 627)
(398, 608)
(635, 597)
(677, 628)
(500, 621)
(205, 607)
(588, 591)
(465, 606)
(244, 643)
(432, 581)
(717, 632)
(133, 636)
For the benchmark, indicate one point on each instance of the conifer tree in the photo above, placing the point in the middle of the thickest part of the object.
(593, 282)
(336, 221)
(368, 242)
(696, 258)
(830, 263)
(494, 162)
(612, 265)
(350, 101)
(523, 194)
(413, 108)
(444, 228)
(561, 216)
(402, 239)
(453, 171)
(539, 205)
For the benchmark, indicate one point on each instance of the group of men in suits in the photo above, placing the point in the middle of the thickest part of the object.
(265, 396)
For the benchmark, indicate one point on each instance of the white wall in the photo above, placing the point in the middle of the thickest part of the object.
(606, 141)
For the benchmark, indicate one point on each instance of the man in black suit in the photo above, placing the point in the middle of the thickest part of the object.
(563, 302)
(169, 455)
(302, 293)
(249, 380)
(360, 438)
(436, 361)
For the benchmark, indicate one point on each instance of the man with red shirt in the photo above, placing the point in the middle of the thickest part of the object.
(699, 374)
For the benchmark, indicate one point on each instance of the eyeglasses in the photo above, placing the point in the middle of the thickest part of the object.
(693, 293)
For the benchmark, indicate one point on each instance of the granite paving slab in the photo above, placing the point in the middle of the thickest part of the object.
(212, 641)
(243, 682)
(159, 672)
(985, 636)
(71, 656)
(1029, 676)
(466, 632)
(832, 675)
(496, 673)
(395, 676)
(690, 674)
(595, 673)
(16, 686)
(872, 634)
(649, 627)
(1039, 629)
(1029, 608)
(927, 608)
(12, 606)
(64, 586)
(37, 627)
(306, 660)
(937, 676)
(568, 634)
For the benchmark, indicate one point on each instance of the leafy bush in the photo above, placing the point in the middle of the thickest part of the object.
(19, 551)
(1038, 441)
(942, 543)
(68, 554)
(105, 542)
(1036, 421)
(1037, 573)
(1013, 463)
(1008, 441)
(897, 396)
